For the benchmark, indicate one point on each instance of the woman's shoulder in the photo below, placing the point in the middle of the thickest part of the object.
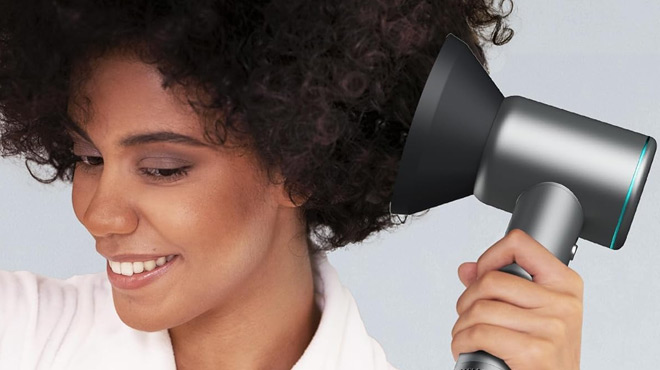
(39, 315)
(25, 291)
(24, 294)
(69, 323)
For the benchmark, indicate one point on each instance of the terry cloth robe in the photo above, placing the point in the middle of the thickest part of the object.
(48, 323)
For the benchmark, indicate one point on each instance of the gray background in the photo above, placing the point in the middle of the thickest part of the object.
(595, 58)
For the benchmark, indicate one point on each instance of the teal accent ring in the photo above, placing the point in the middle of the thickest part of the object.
(632, 182)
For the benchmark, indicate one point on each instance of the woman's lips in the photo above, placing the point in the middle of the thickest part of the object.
(138, 280)
(136, 257)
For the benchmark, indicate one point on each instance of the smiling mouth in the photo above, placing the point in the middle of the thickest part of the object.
(135, 268)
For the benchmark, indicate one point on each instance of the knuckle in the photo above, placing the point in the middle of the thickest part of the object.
(454, 330)
(475, 333)
(478, 307)
(473, 314)
(469, 314)
(556, 327)
(538, 351)
(569, 306)
(489, 281)
(460, 305)
(516, 236)
(455, 346)
(574, 307)
(579, 283)
(464, 338)
(480, 261)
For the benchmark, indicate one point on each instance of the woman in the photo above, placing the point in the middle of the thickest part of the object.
(217, 150)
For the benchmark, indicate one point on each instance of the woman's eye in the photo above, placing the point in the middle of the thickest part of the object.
(88, 160)
(156, 174)
(165, 174)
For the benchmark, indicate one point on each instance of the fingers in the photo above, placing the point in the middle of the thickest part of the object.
(511, 317)
(545, 269)
(488, 338)
(528, 324)
(523, 338)
(502, 286)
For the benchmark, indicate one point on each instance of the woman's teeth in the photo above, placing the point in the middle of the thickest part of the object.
(130, 268)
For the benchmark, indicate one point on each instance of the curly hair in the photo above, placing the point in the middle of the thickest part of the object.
(324, 90)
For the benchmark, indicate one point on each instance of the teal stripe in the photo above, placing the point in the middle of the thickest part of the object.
(632, 182)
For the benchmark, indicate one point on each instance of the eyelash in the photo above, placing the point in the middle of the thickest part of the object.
(176, 174)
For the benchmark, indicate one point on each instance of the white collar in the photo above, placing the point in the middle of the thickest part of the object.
(341, 340)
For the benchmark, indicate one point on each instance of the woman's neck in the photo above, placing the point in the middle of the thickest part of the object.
(271, 323)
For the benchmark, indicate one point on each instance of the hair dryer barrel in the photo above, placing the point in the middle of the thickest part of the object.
(605, 166)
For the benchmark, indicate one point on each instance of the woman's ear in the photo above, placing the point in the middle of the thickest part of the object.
(282, 194)
(285, 199)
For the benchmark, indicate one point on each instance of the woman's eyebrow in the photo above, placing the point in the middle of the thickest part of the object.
(159, 137)
(148, 137)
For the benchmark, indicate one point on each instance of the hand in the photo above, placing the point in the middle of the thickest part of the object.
(529, 325)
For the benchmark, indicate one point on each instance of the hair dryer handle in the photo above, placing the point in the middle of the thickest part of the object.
(551, 214)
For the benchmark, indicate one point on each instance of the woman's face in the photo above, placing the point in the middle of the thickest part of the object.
(221, 217)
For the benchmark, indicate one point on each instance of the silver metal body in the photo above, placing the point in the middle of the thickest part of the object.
(552, 215)
(531, 142)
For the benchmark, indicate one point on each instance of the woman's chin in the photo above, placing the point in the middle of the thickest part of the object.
(139, 323)
(146, 320)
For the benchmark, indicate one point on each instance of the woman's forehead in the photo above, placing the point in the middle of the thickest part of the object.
(120, 95)
(130, 91)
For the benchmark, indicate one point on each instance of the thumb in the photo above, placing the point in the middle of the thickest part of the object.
(467, 273)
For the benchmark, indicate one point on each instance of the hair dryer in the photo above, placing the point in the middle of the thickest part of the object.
(561, 175)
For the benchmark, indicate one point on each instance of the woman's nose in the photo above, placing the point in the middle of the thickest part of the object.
(110, 209)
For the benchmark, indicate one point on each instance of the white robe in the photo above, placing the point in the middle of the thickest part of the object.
(71, 324)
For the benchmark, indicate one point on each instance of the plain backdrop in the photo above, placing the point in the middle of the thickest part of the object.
(595, 58)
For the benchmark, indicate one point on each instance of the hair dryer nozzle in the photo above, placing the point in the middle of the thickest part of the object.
(448, 132)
